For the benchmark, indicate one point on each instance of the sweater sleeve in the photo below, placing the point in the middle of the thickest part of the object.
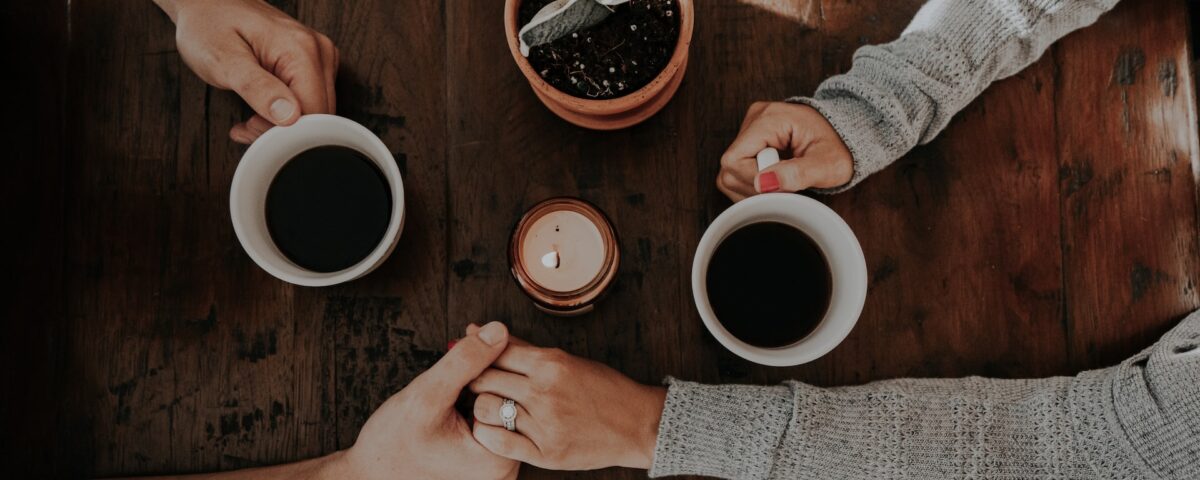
(1140, 419)
(903, 93)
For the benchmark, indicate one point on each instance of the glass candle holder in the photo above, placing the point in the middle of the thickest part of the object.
(564, 255)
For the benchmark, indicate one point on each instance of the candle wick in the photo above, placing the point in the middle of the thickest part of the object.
(551, 260)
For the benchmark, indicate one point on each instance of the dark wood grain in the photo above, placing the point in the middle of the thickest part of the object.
(1052, 227)
(1128, 181)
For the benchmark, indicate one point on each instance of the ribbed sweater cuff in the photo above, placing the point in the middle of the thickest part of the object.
(850, 117)
(728, 431)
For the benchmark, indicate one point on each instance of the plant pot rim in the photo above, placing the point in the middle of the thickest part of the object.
(610, 105)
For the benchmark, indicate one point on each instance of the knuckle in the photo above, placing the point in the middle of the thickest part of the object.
(843, 169)
(546, 355)
(727, 160)
(758, 108)
(248, 82)
(729, 179)
(505, 445)
(558, 356)
(306, 42)
(721, 184)
(556, 372)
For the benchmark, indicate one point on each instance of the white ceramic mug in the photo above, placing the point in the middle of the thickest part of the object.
(260, 164)
(837, 242)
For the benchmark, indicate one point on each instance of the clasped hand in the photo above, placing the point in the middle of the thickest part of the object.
(573, 414)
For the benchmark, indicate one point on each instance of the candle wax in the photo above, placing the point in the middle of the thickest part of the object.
(563, 251)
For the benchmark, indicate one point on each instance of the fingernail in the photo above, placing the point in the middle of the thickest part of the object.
(492, 333)
(282, 109)
(451, 344)
(768, 182)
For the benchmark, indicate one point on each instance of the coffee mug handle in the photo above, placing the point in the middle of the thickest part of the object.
(767, 157)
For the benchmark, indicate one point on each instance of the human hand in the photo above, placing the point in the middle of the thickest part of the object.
(818, 157)
(573, 414)
(418, 434)
(277, 65)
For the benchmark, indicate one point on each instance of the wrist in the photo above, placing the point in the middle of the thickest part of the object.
(333, 466)
(172, 7)
(645, 437)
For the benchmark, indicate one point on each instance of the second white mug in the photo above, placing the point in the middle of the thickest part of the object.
(847, 265)
(263, 160)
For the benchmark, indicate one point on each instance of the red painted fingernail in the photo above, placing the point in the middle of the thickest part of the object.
(768, 182)
(450, 344)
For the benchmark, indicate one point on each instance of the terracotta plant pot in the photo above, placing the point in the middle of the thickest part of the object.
(613, 113)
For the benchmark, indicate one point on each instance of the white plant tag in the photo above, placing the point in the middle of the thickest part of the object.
(561, 18)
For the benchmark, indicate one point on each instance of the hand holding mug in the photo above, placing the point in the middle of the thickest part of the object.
(573, 413)
(279, 66)
(418, 434)
(818, 157)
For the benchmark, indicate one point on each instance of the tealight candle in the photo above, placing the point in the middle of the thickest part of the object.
(564, 255)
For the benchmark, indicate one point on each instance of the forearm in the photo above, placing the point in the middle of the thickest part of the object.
(329, 467)
(1139, 419)
(904, 93)
(907, 428)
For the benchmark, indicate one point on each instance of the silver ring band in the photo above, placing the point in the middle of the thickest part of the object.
(508, 414)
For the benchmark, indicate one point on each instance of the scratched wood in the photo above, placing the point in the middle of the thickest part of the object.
(964, 267)
(507, 152)
(1051, 228)
(183, 355)
(1128, 181)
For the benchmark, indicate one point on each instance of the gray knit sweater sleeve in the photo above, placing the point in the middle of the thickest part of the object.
(1140, 419)
(903, 93)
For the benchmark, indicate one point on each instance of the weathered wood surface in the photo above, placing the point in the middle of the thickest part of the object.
(1051, 228)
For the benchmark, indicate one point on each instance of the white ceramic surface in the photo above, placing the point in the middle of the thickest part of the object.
(837, 242)
(264, 158)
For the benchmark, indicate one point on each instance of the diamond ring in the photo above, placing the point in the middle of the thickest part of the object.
(508, 414)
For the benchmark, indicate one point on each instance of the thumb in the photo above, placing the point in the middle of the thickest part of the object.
(787, 176)
(266, 93)
(469, 358)
(473, 329)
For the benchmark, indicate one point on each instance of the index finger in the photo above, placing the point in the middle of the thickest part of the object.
(472, 328)
(520, 357)
(305, 76)
(743, 150)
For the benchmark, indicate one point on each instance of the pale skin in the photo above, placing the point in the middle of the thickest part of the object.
(814, 155)
(576, 414)
(284, 69)
(280, 67)
(573, 413)
(416, 433)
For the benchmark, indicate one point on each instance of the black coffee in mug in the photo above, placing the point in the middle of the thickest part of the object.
(328, 208)
(769, 284)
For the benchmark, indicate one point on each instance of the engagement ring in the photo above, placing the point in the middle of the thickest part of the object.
(508, 414)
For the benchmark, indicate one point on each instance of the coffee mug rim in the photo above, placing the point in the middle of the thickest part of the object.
(373, 148)
(852, 265)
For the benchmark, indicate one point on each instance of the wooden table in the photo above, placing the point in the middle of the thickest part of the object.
(1052, 228)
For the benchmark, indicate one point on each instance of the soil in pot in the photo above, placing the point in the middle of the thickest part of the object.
(613, 58)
